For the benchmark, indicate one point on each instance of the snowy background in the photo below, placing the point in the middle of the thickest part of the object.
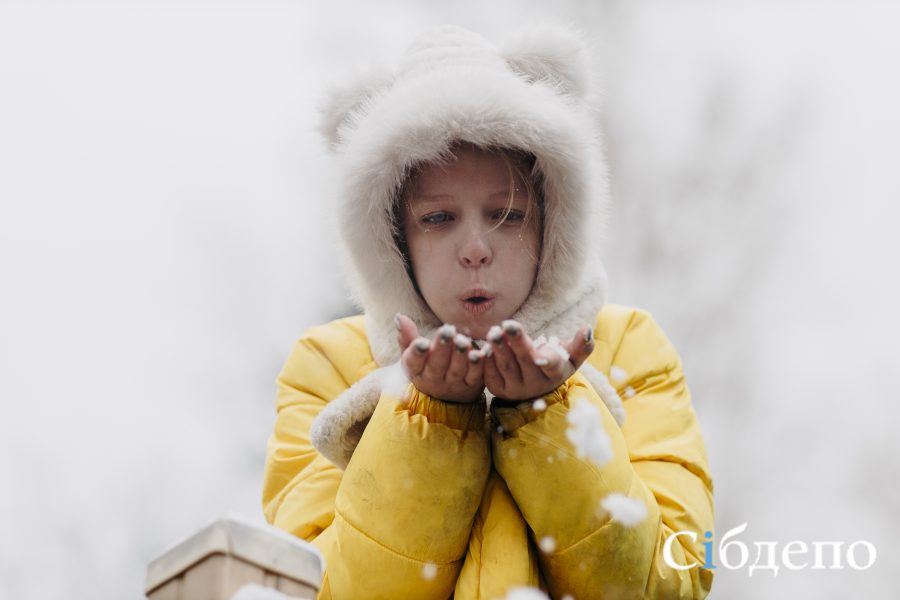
(162, 245)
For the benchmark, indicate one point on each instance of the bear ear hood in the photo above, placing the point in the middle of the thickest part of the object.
(534, 94)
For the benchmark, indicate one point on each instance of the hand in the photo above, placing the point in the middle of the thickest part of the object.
(448, 368)
(516, 370)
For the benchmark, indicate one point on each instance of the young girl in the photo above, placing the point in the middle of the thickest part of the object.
(446, 443)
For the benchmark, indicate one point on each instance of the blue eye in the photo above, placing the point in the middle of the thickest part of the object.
(437, 218)
(514, 216)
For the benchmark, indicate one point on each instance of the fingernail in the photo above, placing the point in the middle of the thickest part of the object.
(487, 350)
(421, 345)
(397, 321)
(495, 335)
(541, 362)
(446, 332)
(474, 356)
(589, 335)
(510, 327)
(462, 342)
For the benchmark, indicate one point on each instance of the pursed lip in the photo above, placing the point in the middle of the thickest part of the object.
(476, 292)
(480, 307)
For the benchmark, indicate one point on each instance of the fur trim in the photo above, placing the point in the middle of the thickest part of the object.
(551, 54)
(336, 430)
(343, 100)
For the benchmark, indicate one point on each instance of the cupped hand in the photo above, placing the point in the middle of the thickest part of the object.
(448, 367)
(517, 370)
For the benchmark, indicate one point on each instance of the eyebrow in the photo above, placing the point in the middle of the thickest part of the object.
(430, 198)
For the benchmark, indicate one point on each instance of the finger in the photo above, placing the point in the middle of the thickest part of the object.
(439, 357)
(406, 330)
(580, 346)
(475, 373)
(415, 355)
(505, 360)
(459, 361)
(492, 378)
(522, 347)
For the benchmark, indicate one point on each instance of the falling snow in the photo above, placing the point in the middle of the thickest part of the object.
(586, 433)
(617, 373)
(627, 511)
(429, 571)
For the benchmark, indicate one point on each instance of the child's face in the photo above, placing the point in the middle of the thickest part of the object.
(454, 253)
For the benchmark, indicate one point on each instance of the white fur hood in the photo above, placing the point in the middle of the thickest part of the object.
(535, 94)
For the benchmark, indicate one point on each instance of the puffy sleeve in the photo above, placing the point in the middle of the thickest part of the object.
(396, 522)
(603, 528)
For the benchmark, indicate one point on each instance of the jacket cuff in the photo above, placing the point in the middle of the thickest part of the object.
(507, 415)
(465, 416)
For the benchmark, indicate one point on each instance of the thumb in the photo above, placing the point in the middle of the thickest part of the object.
(406, 330)
(581, 346)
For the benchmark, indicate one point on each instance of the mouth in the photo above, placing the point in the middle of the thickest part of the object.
(477, 301)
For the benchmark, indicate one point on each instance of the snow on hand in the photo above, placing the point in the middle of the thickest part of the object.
(553, 344)
(587, 434)
(628, 511)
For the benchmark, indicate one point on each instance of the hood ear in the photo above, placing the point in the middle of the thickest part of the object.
(552, 54)
(344, 101)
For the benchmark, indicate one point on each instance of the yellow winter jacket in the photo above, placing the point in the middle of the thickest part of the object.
(435, 503)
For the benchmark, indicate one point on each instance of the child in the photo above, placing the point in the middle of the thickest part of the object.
(440, 445)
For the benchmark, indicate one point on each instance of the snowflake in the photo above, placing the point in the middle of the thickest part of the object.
(628, 511)
(586, 433)
(429, 571)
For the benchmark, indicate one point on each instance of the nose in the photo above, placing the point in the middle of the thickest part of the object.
(475, 250)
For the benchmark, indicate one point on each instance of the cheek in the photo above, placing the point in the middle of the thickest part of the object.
(429, 264)
(425, 253)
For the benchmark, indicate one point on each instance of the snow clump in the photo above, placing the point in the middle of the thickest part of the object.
(586, 433)
(541, 342)
(526, 593)
(628, 511)
(254, 591)
(617, 373)
(429, 571)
